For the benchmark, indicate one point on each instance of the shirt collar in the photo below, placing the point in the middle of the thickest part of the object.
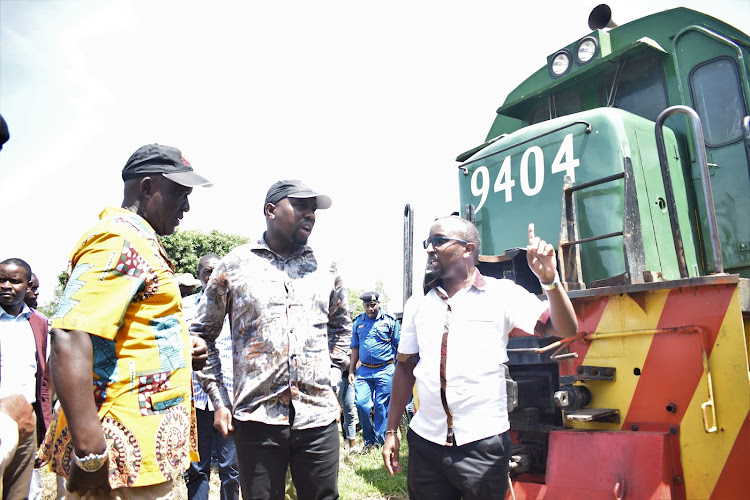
(25, 313)
(477, 281)
(135, 219)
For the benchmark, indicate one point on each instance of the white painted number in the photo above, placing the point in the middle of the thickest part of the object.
(504, 181)
(531, 170)
(484, 188)
(565, 160)
(538, 171)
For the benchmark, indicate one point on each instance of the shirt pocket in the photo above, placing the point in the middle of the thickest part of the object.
(162, 401)
(383, 331)
(475, 346)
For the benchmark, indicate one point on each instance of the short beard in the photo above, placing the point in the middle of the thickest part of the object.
(298, 240)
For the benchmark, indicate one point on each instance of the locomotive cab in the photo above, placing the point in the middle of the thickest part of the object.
(671, 58)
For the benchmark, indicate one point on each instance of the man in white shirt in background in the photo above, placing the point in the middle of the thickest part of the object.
(18, 367)
(198, 475)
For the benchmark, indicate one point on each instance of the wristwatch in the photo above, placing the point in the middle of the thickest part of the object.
(91, 462)
(551, 286)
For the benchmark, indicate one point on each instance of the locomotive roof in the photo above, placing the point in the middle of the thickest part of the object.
(653, 33)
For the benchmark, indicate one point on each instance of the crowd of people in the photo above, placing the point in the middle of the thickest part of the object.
(261, 364)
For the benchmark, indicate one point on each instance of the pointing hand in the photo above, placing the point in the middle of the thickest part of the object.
(541, 257)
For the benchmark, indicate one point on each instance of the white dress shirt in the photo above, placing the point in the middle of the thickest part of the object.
(17, 355)
(482, 316)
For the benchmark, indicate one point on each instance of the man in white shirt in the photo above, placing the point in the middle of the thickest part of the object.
(453, 344)
(18, 366)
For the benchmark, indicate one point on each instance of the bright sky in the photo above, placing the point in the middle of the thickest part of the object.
(369, 102)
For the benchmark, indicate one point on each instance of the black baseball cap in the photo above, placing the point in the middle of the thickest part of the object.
(165, 160)
(295, 189)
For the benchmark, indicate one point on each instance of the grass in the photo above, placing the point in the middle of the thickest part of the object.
(361, 477)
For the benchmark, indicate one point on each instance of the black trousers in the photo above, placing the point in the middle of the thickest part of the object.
(474, 471)
(265, 451)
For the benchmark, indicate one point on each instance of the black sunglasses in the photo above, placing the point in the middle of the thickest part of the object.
(438, 241)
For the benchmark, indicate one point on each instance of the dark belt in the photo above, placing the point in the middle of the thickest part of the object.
(378, 365)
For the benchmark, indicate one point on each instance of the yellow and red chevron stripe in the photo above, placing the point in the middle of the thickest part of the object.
(656, 336)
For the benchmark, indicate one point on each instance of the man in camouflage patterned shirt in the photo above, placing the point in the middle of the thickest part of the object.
(290, 335)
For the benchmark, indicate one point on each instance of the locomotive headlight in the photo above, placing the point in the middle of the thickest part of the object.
(559, 64)
(586, 50)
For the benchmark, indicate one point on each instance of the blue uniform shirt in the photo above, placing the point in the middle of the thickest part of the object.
(377, 339)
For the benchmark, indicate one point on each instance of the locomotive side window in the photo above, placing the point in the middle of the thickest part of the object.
(715, 89)
(640, 88)
(567, 104)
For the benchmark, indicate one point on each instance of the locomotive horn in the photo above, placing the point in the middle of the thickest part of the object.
(601, 17)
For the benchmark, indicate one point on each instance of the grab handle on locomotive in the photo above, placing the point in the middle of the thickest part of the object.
(700, 149)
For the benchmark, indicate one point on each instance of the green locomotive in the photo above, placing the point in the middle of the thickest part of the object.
(630, 151)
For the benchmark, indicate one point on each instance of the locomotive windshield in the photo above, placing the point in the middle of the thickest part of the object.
(638, 87)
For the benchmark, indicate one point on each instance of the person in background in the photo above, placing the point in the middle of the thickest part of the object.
(375, 337)
(188, 284)
(290, 330)
(23, 337)
(121, 351)
(348, 408)
(32, 293)
(210, 439)
(31, 299)
(453, 344)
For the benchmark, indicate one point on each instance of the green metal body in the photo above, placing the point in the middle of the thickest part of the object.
(572, 125)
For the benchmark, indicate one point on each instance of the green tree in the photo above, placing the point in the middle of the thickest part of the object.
(185, 248)
(355, 303)
(50, 308)
(384, 298)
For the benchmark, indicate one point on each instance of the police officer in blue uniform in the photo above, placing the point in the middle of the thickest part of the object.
(375, 337)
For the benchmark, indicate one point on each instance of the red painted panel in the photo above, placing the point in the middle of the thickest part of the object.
(592, 465)
(673, 366)
(733, 480)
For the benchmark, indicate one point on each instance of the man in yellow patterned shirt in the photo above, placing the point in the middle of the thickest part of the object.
(120, 348)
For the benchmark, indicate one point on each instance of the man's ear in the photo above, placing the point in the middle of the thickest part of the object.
(470, 247)
(270, 210)
(146, 186)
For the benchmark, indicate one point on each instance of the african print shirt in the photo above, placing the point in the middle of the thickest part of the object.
(121, 290)
(291, 331)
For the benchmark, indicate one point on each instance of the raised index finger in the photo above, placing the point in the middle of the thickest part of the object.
(531, 233)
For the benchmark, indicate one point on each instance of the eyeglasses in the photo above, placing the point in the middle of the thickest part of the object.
(438, 241)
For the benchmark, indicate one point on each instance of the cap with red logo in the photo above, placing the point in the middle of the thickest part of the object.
(165, 160)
